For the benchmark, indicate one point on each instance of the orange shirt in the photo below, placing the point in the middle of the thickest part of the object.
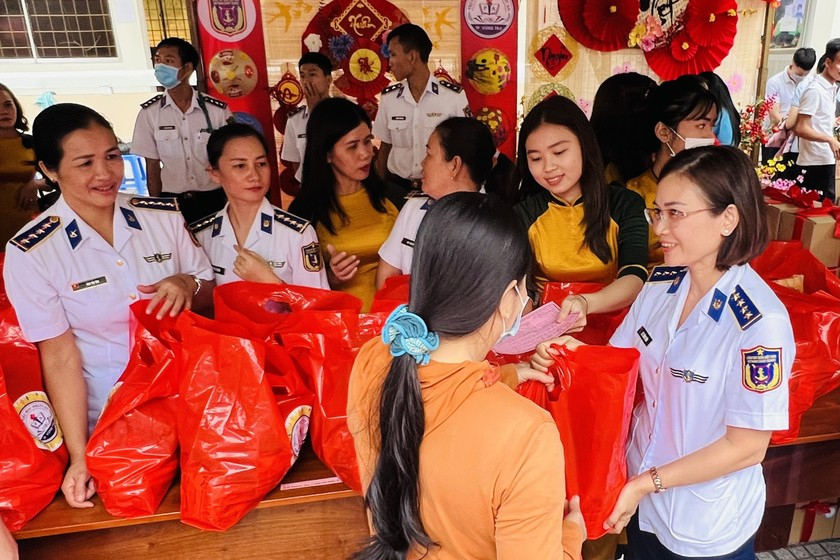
(491, 462)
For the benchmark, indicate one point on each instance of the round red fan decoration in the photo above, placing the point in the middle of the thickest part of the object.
(610, 21)
(711, 21)
(683, 47)
(571, 12)
(364, 71)
(667, 67)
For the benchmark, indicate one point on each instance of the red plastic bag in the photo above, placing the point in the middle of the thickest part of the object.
(815, 318)
(33, 456)
(392, 294)
(599, 326)
(234, 441)
(592, 405)
(133, 451)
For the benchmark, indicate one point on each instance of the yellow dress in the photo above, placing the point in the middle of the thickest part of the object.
(16, 170)
(646, 184)
(363, 234)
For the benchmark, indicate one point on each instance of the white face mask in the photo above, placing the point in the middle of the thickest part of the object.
(796, 77)
(692, 142)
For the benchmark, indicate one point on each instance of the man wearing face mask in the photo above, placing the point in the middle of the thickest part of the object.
(172, 130)
(782, 87)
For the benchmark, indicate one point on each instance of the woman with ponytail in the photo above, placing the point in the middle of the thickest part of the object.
(454, 463)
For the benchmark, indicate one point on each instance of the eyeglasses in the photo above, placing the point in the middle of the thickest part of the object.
(669, 215)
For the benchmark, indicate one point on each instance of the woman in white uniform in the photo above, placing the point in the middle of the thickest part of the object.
(72, 273)
(716, 351)
(249, 239)
(459, 158)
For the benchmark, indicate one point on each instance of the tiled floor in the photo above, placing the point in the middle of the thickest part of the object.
(820, 550)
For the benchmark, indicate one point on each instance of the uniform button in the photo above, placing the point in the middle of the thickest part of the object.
(188, 158)
(650, 437)
(654, 404)
(185, 138)
(657, 371)
(120, 262)
(132, 296)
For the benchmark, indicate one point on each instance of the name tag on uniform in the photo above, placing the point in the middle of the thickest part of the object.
(166, 127)
(643, 334)
(302, 135)
(276, 264)
(408, 242)
(398, 118)
(92, 283)
(218, 269)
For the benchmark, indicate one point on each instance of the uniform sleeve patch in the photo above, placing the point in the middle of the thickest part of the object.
(290, 220)
(37, 233)
(762, 368)
(312, 260)
(150, 203)
(745, 311)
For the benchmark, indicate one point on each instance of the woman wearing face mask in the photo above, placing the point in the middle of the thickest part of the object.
(680, 115)
(580, 229)
(454, 464)
(459, 157)
(716, 351)
(72, 273)
(352, 210)
(249, 239)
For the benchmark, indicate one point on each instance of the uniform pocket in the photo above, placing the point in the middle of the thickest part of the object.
(704, 512)
(400, 133)
(167, 143)
(200, 147)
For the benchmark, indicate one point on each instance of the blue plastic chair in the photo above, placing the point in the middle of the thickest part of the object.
(134, 177)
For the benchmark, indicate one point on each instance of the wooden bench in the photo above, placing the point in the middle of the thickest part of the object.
(310, 515)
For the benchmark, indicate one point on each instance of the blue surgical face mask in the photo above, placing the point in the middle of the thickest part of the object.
(166, 75)
(515, 327)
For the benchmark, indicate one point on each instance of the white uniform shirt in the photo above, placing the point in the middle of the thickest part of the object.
(398, 249)
(783, 87)
(294, 139)
(288, 243)
(179, 140)
(407, 124)
(818, 101)
(60, 274)
(726, 365)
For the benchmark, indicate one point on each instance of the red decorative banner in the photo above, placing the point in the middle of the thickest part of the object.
(489, 73)
(231, 37)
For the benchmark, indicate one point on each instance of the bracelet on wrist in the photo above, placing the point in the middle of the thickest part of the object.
(586, 301)
(197, 281)
(657, 482)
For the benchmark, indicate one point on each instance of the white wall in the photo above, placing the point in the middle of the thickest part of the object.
(822, 25)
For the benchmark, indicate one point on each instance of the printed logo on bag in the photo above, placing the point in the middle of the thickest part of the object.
(312, 257)
(762, 368)
(297, 426)
(688, 376)
(158, 257)
(92, 283)
(37, 415)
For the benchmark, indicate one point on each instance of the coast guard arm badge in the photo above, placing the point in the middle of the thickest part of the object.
(762, 368)
(312, 257)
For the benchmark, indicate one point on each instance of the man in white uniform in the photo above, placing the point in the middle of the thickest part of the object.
(818, 147)
(172, 129)
(410, 110)
(286, 242)
(782, 87)
(315, 78)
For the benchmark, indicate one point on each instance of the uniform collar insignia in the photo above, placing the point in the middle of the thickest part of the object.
(717, 305)
(265, 223)
(434, 88)
(688, 376)
(745, 311)
(130, 218)
(675, 283)
(217, 226)
(73, 234)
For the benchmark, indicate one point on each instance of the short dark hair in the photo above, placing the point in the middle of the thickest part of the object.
(471, 141)
(455, 297)
(186, 52)
(674, 101)
(805, 58)
(220, 137)
(564, 112)
(831, 50)
(329, 121)
(412, 38)
(55, 123)
(726, 176)
(322, 61)
(21, 123)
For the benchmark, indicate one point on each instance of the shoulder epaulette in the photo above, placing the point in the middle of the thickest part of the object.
(148, 103)
(665, 273)
(213, 101)
(152, 203)
(395, 87)
(202, 224)
(37, 233)
(746, 313)
(451, 86)
(297, 110)
(417, 193)
(290, 220)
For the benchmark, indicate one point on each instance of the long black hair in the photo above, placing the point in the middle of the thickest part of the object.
(329, 121)
(455, 296)
(471, 141)
(685, 98)
(564, 112)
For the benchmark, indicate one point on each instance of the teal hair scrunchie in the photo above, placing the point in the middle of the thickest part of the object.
(407, 333)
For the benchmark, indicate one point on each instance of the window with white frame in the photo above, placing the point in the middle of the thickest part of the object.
(56, 29)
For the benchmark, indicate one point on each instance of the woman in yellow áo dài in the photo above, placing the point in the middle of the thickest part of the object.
(681, 115)
(350, 208)
(580, 229)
